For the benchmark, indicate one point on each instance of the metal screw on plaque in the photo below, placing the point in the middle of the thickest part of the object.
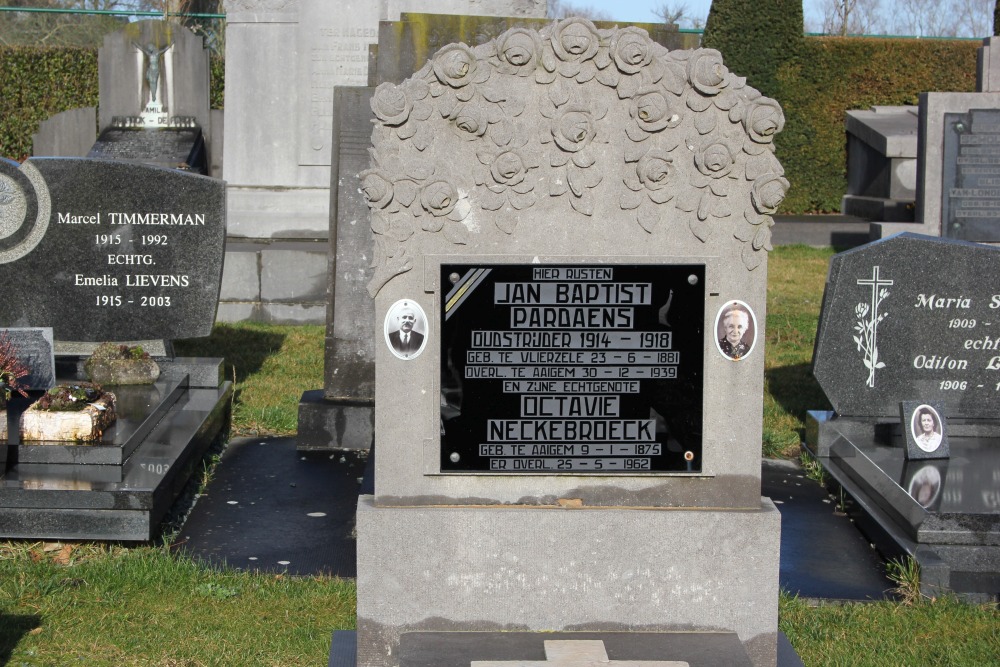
(454, 457)
(692, 279)
(454, 278)
(689, 456)
(960, 127)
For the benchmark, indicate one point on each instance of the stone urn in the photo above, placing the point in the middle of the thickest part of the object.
(77, 413)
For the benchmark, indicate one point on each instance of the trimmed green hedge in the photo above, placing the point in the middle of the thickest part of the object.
(755, 38)
(833, 75)
(36, 84)
(829, 76)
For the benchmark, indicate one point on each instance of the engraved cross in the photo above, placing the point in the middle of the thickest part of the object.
(577, 653)
(874, 281)
(871, 334)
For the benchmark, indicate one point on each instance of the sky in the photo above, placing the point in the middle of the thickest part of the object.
(641, 10)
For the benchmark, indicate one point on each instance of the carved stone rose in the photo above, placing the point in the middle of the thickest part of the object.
(574, 130)
(707, 73)
(439, 198)
(768, 192)
(652, 111)
(631, 49)
(471, 121)
(716, 160)
(391, 104)
(518, 49)
(575, 40)
(763, 119)
(376, 188)
(455, 65)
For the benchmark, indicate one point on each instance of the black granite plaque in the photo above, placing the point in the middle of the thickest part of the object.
(572, 368)
(970, 190)
(36, 350)
(102, 250)
(176, 148)
(912, 318)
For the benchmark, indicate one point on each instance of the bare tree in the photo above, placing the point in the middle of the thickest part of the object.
(924, 18)
(852, 17)
(559, 9)
(974, 18)
(678, 14)
(65, 29)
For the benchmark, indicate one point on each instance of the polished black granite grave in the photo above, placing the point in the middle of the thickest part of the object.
(945, 513)
(76, 492)
(139, 409)
(915, 320)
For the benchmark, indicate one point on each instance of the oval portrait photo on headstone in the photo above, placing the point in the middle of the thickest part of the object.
(925, 425)
(406, 329)
(735, 330)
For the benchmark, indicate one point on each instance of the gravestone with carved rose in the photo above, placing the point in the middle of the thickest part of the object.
(571, 235)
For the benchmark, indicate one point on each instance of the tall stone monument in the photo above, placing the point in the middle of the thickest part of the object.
(571, 234)
(151, 74)
(957, 193)
(283, 60)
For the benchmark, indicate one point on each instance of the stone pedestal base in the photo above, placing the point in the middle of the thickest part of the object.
(334, 425)
(565, 570)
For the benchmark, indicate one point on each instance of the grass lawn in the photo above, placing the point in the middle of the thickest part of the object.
(97, 605)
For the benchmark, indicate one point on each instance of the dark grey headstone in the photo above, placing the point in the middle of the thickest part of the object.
(911, 318)
(35, 349)
(970, 191)
(102, 250)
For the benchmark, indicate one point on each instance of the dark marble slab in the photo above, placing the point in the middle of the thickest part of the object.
(823, 556)
(459, 649)
(938, 501)
(344, 649)
(101, 250)
(271, 508)
(911, 318)
(174, 148)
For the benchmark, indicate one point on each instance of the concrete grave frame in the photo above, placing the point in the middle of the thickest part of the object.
(569, 144)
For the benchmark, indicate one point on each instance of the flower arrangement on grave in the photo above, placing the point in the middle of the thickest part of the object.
(74, 412)
(114, 364)
(12, 369)
(69, 397)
